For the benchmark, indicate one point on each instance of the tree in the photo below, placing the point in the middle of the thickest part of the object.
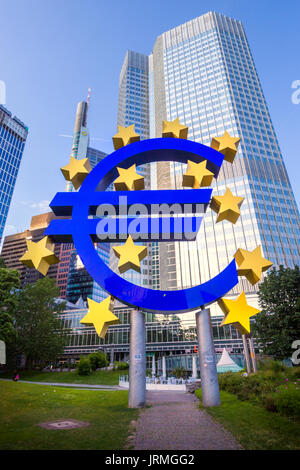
(278, 324)
(97, 360)
(9, 282)
(2, 263)
(40, 333)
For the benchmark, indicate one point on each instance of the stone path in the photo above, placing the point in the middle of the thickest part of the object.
(175, 422)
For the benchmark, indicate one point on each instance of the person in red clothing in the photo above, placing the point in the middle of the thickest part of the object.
(16, 376)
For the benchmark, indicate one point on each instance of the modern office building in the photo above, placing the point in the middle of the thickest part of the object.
(72, 278)
(14, 246)
(13, 135)
(165, 335)
(133, 108)
(68, 253)
(204, 73)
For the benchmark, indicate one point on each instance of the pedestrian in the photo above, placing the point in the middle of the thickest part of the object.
(16, 376)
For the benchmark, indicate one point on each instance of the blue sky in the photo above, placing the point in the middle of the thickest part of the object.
(52, 51)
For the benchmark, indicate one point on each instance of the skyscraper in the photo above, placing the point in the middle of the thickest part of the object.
(13, 135)
(72, 277)
(133, 108)
(204, 74)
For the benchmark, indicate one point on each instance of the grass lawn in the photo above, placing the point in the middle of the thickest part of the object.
(101, 377)
(253, 426)
(24, 406)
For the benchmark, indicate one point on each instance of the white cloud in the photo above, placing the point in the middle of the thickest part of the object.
(41, 206)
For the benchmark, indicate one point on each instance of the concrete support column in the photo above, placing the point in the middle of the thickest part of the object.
(194, 367)
(164, 368)
(137, 364)
(246, 354)
(111, 361)
(207, 356)
(153, 366)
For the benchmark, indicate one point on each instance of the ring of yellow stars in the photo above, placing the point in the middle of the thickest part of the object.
(197, 175)
(39, 255)
(100, 316)
(130, 255)
(125, 136)
(227, 206)
(251, 264)
(76, 171)
(174, 129)
(129, 179)
(238, 313)
(227, 145)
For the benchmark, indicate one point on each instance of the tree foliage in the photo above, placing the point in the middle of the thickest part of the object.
(39, 332)
(9, 282)
(97, 360)
(278, 324)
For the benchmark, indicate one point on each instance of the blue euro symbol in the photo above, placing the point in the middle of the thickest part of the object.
(81, 229)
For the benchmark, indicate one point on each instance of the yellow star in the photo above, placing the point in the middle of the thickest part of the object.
(130, 255)
(227, 206)
(174, 129)
(197, 175)
(129, 179)
(227, 145)
(100, 316)
(125, 136)
(39, 255)
(251, 264)
(76, 171)
(238, 313)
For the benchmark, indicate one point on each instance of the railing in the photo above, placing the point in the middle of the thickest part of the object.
(161, 380)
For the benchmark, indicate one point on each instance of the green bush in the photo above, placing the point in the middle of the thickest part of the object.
(179, 372)
(276, 367)
(287, 400)
(98, 360)
(84, 366)
(121, 365)
(231, 382)
(295, 372)
(268, 401)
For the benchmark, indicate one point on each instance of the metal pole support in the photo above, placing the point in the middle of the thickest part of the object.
(207, 356)
(246, 353)
(252, 354)
(194, 367)
(137, 364)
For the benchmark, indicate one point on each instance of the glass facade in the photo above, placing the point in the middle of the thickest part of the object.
(133, 108)
(13, 135)
(204, 74)
(163, 334)
(72, 278)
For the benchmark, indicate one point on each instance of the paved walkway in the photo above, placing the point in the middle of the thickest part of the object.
(175, 422)
(71, 385)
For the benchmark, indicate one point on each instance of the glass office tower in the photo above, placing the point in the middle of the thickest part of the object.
(133, 108)
(72, 278)
(204, 73)
(13, 135)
